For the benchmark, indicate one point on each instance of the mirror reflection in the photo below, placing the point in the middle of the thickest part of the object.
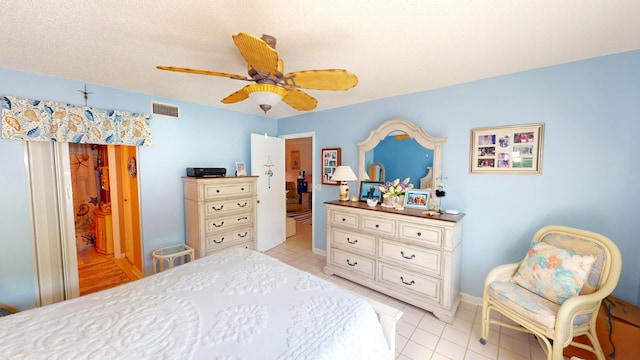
(399, 156)
(376, 172)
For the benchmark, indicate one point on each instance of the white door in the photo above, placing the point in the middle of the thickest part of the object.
(268, 163)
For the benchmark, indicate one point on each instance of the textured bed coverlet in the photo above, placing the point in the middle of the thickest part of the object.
(237, 304)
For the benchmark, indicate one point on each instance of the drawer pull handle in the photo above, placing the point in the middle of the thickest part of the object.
(377, 226)
(407, 257)
(217, 190)
(343, 219)
(354, 241)
(217, 209)
(350, 264)
(419, 233)
(243, 205)
(243, 235)
(214, 224)
(218, 242)
(242, 218)
(241, 189)
(407, 283)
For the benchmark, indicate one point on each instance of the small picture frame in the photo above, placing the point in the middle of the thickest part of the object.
(241, 169)
(416, 198)
(370, 190)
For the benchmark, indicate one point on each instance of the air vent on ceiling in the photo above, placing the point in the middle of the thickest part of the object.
(165, 110)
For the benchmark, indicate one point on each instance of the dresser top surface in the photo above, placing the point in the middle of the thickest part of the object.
(406, 211)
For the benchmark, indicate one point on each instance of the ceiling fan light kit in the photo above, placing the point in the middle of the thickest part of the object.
(265, 95)
(271, 84)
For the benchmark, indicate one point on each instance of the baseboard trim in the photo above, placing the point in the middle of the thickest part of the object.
(469, 299)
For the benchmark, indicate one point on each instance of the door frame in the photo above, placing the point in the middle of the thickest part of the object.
(314, 180)
(50, 194)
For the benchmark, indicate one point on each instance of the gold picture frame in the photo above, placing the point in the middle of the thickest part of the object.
(515, 149)
(295, 160)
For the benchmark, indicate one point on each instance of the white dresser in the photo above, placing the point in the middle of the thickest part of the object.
(220, 213)
(402, 253)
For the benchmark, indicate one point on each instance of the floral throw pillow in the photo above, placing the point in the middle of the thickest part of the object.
(553, 273)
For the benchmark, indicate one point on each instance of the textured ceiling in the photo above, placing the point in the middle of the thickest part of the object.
(394, 47)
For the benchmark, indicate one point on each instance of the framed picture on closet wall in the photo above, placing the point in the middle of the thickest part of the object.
(330, 161)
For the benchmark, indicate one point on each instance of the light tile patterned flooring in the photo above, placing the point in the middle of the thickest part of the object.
(420, 335)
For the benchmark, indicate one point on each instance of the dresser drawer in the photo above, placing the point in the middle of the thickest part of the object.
(421, 258)
(244, 245)
(216, 242)
(424, 234)
(345, 219)
(221, 224)
(405, 280)
(379, 226)
(213, 191)
(226, 206)
(356, 263)
(352, 240)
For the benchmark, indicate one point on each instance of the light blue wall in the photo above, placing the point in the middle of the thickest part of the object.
(203, 136)
(591, 111)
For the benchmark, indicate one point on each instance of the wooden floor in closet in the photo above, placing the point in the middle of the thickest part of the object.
(98, 272)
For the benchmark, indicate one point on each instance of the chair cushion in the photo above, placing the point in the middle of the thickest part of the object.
(529, 305)
(553, 273)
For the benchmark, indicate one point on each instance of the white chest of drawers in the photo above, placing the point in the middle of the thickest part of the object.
(220, 213)
(404, 254)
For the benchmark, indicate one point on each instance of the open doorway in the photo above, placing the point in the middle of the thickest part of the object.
(299, 186)
(106, 215)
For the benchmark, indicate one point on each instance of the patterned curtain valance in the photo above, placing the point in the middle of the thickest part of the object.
(35, 120)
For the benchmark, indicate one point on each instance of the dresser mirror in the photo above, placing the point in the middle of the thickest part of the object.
(380, 160)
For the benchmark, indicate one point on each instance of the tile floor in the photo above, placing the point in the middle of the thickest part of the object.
(420, 335)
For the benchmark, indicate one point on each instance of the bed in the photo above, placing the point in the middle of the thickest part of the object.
(235, 304)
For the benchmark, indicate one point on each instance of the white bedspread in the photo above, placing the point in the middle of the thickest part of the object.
(237, 304)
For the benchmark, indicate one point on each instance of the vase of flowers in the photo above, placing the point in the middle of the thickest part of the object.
(392, 191)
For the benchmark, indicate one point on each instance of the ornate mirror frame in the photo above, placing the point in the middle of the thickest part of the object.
(414, 131)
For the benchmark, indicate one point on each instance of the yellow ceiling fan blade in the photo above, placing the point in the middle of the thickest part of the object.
(257, 52)
(331, 79)
(202, 72)
(299, 100)
(236, 96)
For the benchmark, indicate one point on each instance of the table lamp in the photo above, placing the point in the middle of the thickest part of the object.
(344, 174)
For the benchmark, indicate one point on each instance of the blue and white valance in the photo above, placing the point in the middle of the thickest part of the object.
(35, 120)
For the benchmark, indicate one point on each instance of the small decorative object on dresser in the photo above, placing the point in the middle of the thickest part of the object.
(407, 255)
(220, 213)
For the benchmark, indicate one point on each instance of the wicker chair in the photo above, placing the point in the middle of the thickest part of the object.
(7, 309)
(511, 291)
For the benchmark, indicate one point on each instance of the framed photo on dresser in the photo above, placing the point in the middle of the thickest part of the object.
(370, 190)
(241, 169)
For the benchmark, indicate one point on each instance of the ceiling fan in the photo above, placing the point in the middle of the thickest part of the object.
(271, 84)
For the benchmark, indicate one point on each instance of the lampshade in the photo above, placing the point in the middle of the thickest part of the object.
(308, 178)
(265, 95)
(344, 174)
